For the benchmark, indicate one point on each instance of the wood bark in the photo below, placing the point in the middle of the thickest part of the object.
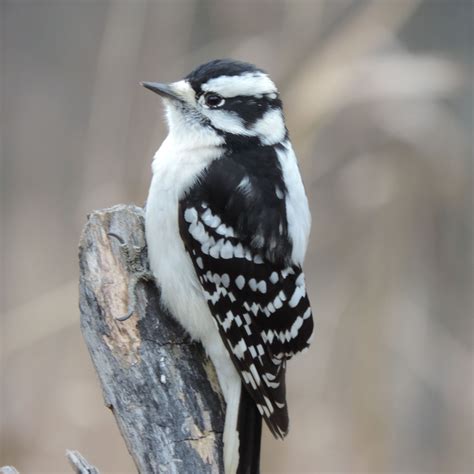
(160, 386)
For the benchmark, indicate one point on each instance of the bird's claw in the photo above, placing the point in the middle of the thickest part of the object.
(125, 317)
(138, 271)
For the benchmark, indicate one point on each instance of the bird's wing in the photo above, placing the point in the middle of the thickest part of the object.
(257, 298)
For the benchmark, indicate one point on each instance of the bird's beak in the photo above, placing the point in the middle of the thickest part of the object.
(165, 90)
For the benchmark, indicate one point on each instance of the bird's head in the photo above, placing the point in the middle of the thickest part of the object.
(230, 100)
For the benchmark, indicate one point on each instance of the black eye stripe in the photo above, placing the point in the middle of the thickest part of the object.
(251, 109)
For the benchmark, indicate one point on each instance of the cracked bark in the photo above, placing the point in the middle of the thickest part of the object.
(160, 386)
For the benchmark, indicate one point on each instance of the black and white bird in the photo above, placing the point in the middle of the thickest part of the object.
(227, 226)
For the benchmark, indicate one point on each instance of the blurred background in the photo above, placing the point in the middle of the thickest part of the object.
(379, 103)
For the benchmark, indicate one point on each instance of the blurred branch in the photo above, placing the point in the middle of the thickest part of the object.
(75, 458)
(160, 386)
(318, 87)
(105, 141)
(8, 470)
(80, 464)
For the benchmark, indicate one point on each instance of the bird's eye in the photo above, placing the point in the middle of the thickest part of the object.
(213, 100)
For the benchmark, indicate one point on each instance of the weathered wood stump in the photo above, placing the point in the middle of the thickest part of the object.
(160, 386)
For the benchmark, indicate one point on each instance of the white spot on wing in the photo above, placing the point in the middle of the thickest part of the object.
(253, 371)
(190, 215)
(300, 280)
(239, 251)
(239, 349)
(270, 384)
(269, 404)
(210, 219)
(269, 376)
(245, 186)
(227, 321)
(296, 327)
(227, 250)
(215, 250)
(268, 336)
(198, 232)
(277, 302)
(225, 280)
(225, 231)
(296, 296)
(240, 282)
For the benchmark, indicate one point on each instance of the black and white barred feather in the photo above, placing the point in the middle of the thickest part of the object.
(234, 226)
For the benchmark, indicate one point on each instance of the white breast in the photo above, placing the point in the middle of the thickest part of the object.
(176, 167)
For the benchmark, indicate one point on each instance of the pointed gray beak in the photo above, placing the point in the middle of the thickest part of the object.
(165, 90)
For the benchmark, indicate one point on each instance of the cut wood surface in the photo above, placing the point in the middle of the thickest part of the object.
(160, 386)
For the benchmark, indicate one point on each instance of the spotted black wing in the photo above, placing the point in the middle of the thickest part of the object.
(256, 296)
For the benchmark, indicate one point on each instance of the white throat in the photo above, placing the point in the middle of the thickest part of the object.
(188, 133)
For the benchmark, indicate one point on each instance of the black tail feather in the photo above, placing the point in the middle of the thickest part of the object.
(249, 426)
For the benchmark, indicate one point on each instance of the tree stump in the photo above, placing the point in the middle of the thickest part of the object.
(160, 386)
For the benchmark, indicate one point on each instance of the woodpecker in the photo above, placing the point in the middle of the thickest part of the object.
(227, 224)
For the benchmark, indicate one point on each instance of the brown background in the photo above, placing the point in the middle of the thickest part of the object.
(378, 96)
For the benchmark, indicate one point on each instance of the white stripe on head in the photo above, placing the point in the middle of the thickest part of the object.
(250, 83)
(270, 129)
(227, 121)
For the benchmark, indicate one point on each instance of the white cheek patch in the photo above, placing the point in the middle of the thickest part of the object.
(251, 83)
(227, 122)
(189, 134)
(270, 128)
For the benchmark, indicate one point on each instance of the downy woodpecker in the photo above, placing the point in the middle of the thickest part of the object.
(227, 225)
